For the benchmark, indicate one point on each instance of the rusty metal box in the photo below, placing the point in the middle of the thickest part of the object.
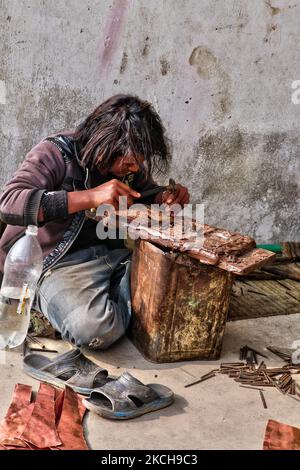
(180, 305)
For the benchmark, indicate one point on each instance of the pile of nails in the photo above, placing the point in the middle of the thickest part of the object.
(262, 376)
(250, 374)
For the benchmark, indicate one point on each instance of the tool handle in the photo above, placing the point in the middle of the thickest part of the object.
(153, 191)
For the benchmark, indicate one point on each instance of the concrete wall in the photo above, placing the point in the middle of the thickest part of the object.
(219, 73)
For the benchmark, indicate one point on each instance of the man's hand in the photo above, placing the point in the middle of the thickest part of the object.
(107, 193)
(180, 196)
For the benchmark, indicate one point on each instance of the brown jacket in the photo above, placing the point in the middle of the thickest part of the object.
(50, 168)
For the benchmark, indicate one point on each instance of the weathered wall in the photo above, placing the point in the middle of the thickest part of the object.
(219, 72)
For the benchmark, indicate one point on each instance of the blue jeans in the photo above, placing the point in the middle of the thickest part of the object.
(86, 296)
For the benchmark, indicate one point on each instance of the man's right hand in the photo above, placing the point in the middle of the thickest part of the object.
(106, 193)
(109, 193)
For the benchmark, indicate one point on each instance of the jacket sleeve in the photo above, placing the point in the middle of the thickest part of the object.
(40, 174)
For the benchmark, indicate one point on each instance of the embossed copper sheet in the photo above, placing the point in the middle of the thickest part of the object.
(225, 249)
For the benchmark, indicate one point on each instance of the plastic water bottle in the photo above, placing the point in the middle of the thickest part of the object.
(22, 269)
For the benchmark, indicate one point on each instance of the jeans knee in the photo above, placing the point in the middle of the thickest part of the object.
(95, 338)
(103, 340)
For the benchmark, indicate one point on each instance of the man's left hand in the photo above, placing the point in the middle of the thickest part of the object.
(179, 196)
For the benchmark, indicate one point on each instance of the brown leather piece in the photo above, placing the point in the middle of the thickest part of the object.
(279, 436)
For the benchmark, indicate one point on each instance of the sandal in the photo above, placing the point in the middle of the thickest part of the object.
(71, 368)
(127, 398)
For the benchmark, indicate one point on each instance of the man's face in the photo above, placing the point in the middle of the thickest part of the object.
(124, 165)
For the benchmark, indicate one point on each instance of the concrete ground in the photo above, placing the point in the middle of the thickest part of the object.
(216, 414)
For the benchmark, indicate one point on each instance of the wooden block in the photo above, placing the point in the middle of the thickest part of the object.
(291, 250)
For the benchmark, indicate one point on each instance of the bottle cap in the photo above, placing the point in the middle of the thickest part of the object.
(32, 230)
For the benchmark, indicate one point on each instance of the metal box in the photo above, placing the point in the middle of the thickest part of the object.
(179, 305)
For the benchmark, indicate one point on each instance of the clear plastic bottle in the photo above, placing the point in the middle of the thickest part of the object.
(22, 269)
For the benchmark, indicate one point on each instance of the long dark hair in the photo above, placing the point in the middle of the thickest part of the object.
(120, 125)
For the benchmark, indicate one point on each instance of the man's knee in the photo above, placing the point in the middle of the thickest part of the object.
(103, 341)
(94, 336)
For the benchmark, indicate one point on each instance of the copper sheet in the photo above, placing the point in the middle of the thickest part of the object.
(225, 249)
(17, 416)
(279, 436)
(40, 430)
(34, 426)
(69, 427)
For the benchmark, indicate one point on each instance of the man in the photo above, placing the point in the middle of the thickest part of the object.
(84, 290)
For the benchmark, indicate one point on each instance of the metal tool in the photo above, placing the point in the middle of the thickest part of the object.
(171, 187)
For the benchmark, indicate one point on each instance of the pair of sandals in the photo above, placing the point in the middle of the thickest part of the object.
(124, 397)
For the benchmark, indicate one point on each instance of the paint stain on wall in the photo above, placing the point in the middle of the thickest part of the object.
(164, 66)
(124, 62)
(270, 29)
(112, 32)
(209, 67)
(273, 10)
(273, 32)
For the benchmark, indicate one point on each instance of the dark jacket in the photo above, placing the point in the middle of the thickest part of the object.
(49, 171)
